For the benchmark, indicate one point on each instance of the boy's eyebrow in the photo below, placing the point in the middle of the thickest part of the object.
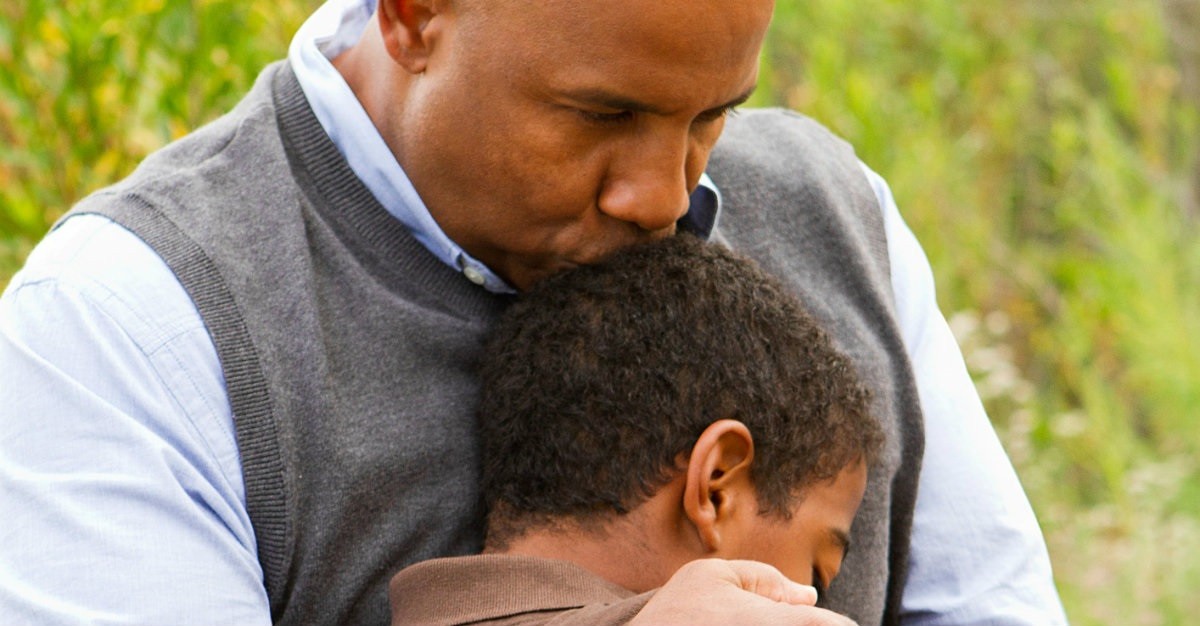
(841, 539)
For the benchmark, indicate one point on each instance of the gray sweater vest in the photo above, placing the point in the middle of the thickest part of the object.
(349, 351)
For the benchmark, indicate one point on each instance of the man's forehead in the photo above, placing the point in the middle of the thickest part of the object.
(577, 43)
(681, 18)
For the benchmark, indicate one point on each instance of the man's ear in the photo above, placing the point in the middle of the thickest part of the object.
(405, 27)
(718, 472)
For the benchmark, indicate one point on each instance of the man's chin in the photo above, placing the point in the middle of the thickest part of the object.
(524, 278)
(527, 278)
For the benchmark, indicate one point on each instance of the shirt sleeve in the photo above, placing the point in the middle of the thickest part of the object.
(977, 553)
(121, 492)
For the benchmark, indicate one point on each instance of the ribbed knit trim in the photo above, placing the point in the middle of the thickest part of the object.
(368, 230)
(249, 397)
(353, 211)
(866, 276)
(904, 488)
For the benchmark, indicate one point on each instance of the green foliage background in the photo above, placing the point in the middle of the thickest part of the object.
(1040, 150)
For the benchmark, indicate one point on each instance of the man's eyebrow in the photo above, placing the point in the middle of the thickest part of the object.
(736, 102)
(616, 102)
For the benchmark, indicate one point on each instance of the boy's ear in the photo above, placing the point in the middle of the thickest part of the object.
(718, 475)
(405, 26)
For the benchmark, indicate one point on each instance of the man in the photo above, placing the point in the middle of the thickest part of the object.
(668, 404)
(315, 272)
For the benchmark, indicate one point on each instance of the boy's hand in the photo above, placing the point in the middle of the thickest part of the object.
(719, 592)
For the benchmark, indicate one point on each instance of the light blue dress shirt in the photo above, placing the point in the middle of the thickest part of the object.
(121, 493)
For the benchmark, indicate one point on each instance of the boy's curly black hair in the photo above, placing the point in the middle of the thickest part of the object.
(599, 379)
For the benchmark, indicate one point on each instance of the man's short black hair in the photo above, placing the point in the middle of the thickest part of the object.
(596, 381)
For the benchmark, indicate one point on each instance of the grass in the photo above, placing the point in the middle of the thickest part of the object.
(1042, 152)
(88, 88)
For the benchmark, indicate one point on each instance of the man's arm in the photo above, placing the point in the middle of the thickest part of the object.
(122, 496)
(977, 554)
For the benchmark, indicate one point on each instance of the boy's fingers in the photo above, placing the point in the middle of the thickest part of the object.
(770, 583)
(712, 592)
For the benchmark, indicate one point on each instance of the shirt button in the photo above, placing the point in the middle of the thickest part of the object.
(474, 276)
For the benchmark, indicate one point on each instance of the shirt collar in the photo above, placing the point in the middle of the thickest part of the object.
(487, 587)
(329, 31)
(704, 209)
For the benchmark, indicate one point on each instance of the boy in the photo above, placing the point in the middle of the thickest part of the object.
(668, 404)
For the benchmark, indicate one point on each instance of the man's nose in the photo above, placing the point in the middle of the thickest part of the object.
(648, 187)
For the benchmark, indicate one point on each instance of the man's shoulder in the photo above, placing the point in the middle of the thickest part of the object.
(229, 185)
(773, 129)
(777, 156)
(233, 153)
(767, 147)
